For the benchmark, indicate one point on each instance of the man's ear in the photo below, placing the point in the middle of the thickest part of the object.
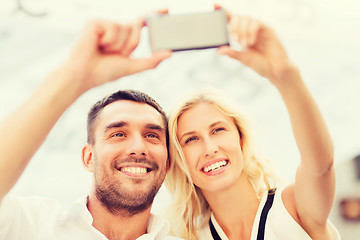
(87, 157)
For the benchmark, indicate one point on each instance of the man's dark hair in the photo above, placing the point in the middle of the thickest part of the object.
(131, 95)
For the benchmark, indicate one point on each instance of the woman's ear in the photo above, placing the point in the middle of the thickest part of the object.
(168, 164)
(240, 138)
(87, 157)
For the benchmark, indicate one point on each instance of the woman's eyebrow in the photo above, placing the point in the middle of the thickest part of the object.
(216, 123)
(220, 122)
(187, 133)
(193, 132)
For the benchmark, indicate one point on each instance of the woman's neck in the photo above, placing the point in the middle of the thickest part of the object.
(235, 208)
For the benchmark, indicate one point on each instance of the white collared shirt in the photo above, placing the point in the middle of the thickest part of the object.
(40, 218)
(279, 224)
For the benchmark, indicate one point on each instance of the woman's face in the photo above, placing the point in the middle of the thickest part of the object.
(211, 145)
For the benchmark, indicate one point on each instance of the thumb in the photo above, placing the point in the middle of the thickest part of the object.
(228, 51)
(149, 63)
(249, 58)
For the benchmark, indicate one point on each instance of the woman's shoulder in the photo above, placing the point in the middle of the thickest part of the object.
(283, 222)
(204, 232)
(286, 201)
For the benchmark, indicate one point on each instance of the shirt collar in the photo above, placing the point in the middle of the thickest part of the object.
(157, 227)
(80, 212)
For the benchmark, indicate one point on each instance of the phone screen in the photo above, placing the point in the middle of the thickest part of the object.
(188, 31)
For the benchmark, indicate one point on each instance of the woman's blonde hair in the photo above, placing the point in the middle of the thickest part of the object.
(189, 209)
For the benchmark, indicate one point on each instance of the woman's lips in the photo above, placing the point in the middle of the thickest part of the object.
(214, 166)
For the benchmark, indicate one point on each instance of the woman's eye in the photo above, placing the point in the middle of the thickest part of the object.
(218, 129)
(190, 139)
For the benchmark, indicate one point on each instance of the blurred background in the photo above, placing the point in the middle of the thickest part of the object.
(321, 37)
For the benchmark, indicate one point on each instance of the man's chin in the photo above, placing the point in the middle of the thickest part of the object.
(126, 201)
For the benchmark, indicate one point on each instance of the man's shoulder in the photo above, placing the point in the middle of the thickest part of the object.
(28, 213)
(160, 227)
(29, 202)
(38, 207)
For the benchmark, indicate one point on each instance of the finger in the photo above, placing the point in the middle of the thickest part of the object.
(149, 63)
(108, 33)
(140, 22)
(253, 29)
(118, 44)
(157, 12)
(123, 36)
(132, 40)
(228, 13)
(244, 31)
(234, 28)
(88, 39)
(134, 36)
(162, 11)
(228, 51)
(217, 6)
(250, 58)
(135, 31)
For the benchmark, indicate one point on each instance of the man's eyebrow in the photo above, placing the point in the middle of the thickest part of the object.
(155, 127)
(115, 125)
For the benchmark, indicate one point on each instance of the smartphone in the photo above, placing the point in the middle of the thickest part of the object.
(188, 31)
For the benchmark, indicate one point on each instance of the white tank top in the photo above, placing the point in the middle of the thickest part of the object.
(279, 224)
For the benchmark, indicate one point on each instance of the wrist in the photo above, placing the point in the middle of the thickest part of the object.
(65, 83)
(71, 77)
(285, 74)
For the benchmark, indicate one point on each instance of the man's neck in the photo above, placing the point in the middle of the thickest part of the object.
(119, 226)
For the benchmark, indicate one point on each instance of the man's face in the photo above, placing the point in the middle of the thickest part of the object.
(130, 156)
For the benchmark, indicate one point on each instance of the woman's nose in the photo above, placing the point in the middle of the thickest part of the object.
(211, 148)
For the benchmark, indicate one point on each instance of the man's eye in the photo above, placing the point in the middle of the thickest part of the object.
(118, 135)
(190, 139)
(152, 135)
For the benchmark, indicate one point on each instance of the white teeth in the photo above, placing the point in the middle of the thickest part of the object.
(134, 170)
(215, 166)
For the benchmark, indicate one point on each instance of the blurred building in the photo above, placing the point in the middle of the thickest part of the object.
(346, 211)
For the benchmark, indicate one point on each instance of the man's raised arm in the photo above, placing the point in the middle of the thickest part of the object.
(100, 55)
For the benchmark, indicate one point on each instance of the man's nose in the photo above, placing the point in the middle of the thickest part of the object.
(137, 146)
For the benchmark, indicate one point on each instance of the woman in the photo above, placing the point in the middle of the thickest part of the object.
(216, 175)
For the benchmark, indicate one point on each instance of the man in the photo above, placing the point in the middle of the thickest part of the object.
(126, 149)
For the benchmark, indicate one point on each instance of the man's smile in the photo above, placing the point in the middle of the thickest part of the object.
(135, 167)
(135, 171)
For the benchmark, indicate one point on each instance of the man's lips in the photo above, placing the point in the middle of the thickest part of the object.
(214, 165)
(134, 170)
(135, 167)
